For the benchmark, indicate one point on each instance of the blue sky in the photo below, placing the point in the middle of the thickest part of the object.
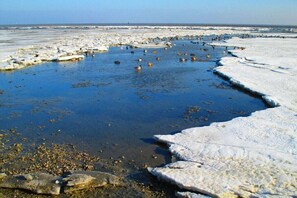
(277, 12)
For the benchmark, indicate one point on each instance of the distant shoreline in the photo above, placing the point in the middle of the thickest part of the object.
(152, 24)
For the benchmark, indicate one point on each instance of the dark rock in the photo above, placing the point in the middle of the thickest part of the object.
(194, 58)
(182, 60)
(138, 68)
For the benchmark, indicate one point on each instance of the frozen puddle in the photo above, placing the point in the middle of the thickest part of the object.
(251, 156)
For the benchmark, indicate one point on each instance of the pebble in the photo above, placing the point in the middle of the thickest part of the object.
(194, 58)
(182, 60)
(149, 64)
(138, 68)
(2, 175)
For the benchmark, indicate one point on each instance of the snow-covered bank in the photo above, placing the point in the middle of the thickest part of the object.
(232, 161)
(267, 66)
(22, 47)
(250, 156)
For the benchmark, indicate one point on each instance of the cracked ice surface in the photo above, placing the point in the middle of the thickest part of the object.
(267, 66)
(250, 156)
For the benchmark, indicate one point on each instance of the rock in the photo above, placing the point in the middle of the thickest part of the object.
(40, 183)
(194, 58)
(28, 177)
(182, 60)
(79, 180)
(190, 195)
(43, 183)
(149, 64)
(2, 176)
(138, 68)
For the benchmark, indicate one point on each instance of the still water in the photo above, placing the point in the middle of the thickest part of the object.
(111, 110)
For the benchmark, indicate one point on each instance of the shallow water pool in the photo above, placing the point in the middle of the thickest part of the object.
(111, 110)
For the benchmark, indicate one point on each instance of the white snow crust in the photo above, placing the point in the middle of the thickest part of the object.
(247, 156)
(22, 47)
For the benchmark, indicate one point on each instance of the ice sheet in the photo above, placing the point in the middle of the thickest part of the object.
(22, 47)
(250, 156)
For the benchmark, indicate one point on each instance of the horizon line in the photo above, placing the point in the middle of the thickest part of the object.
(153, 24)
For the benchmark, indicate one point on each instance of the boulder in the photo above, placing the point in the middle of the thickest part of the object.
(79, 180)
(40, 183)
(43, 183)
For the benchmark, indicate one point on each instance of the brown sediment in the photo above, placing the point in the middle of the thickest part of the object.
(15, 158)
(19, 157)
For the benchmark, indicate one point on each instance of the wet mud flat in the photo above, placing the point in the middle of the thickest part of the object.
(98, 115)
